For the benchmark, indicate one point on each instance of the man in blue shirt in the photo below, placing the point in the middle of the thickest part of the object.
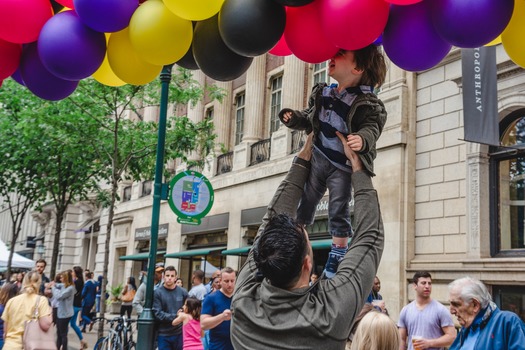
(216, 314)
(483, 324)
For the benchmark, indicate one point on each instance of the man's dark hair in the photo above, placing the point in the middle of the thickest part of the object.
(171, 268)
(280, 251)
(199, 274)
(419, 274)
(41, 261)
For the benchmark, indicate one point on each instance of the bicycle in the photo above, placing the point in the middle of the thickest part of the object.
(120, 335)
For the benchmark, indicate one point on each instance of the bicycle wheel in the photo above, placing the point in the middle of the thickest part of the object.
(101, 344)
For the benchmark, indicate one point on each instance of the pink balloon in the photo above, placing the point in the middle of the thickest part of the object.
(403, 2)
(305, 36)
(281, 48)
(21, 20)
(9, 58)
(353, 24)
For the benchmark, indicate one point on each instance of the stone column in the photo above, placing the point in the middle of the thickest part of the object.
(196, 114)
(254, 106)
(221, 116)
(293, 82)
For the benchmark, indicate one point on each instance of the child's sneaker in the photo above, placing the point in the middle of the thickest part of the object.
(334, 258)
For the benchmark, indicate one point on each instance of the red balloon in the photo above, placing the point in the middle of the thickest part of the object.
(67, 3)
(353, 24)
(403, 2)
(305, 36)
(9, 58)
(281, 48)
(21, 20)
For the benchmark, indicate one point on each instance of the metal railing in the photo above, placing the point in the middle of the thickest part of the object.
(224, 163)
(260, 152)
(298, 139)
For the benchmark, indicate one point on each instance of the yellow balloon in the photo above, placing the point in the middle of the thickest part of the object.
(105, 74)
(126, 63)
(195, 10)
(512, 36)
(158, 36)
(495, 41)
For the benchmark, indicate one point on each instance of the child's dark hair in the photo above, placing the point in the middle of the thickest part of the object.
(193, 305)
(372, 61)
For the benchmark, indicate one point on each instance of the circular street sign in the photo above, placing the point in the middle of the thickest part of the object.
(190, 196)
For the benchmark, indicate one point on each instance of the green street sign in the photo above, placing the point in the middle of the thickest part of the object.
(190, 197)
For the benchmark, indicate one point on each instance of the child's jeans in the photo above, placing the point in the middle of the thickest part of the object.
(323, 175)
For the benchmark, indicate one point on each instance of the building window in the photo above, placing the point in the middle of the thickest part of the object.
(508, 178)
(320, 72)
(146, 188)
(276, 86)
(126, 196)
(239, 117)
(209, 113)
(510, 298)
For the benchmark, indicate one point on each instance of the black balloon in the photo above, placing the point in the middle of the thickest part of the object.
(251, 27)
(56, 6)
(188, 61)
(212, 55)
(293, 3)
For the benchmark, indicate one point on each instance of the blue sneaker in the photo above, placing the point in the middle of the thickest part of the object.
(334, 258)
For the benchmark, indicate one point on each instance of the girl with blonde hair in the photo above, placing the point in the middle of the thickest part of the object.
(376, 331)
(19, 309)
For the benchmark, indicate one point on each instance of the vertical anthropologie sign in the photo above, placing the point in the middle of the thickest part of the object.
(480, 95)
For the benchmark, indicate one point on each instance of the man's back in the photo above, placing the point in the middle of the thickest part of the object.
(316, 317)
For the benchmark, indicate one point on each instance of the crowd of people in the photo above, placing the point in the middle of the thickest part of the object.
(276, 301)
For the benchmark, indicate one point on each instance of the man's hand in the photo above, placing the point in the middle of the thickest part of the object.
(226, 315)
(355, 142)
(306, 152)
(357, 165)
(421, 343)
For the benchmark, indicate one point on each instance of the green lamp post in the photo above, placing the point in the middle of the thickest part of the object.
(146, 322)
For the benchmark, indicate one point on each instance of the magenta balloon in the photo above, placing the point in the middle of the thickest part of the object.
(353, 24)
(69, 49)
(410, 40)
(9, 58)
(305, 36)
(471, 23)
(39, 80)
(21, 20)
(403, 2)
(106, 16)
(281, 48)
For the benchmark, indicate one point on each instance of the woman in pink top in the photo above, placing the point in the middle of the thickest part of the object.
(189, 316)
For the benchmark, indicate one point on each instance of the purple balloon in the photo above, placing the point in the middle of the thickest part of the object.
(69, 49)
(17, 76)
(471, 23)
(39, 80)
(410, 40)
(106, 16)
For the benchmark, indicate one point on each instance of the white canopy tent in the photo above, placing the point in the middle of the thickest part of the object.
(208, 268)
(18, 260)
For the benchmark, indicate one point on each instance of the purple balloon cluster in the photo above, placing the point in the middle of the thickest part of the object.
(420, 35)
(72, 46)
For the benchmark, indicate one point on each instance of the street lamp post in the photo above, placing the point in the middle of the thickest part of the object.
(146, 322)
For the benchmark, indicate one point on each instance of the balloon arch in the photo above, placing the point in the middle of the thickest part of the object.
(50, 45)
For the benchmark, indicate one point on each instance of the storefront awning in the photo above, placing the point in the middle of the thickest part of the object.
(316, 245)
(194, 252)
(237, 251)
(140, 256)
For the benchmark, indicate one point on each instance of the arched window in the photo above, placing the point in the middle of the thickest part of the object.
(508, 188)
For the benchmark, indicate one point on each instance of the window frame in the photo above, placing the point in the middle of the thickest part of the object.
(240, 111)
(275, 108)
(497, 155)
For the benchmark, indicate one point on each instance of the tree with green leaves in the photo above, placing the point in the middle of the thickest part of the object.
(126, 144)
